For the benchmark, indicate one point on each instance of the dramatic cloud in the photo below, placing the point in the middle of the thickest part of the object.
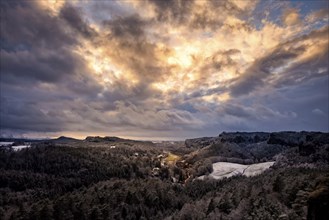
(163, 69)
(72, 16)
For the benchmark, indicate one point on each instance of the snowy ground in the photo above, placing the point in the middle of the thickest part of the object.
(4, 143)
(20, 147)
(15, 148)
(224, 169)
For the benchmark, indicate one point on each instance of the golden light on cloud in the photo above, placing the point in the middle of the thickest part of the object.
(194, 58)
(165, 86)
(217, 98)
(103, 67)
(183, 60)
(161, 65)
(54, 6)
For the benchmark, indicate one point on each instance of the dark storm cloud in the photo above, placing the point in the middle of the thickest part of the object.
(202, 18)
(216, 62)
(172, 10)
(131, 27)
(73, 17)
(290, 107)
(214, 14)
(312, 63)
(304, 72)
(38, 49)
(42, 65)
(278, 58)
(39, 70)
(257, 74)
(302, 98)
(181, 12)
(18, 115)
(261, 70)
(29, 25)
(151, 118)
(252, 112)
(236, 110)
(45, 56)
(50, 110)
(312, 67)
(129, 48)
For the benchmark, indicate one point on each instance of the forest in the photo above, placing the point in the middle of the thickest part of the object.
(101, 178)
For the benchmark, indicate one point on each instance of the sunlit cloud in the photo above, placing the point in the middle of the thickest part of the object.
(53, 6)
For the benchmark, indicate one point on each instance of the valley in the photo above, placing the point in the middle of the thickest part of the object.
(281, 175)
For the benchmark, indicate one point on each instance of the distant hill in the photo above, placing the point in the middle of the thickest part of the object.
(288, 138)
(113, 139)
(65, 139)
(103, 139)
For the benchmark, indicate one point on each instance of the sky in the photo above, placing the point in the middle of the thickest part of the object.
(162, 70)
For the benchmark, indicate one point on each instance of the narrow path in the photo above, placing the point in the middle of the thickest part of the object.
(245, 169)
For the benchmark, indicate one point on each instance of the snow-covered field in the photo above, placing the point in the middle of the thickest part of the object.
(4, 143)
(224, 169)
(15, 148)
(20, 147)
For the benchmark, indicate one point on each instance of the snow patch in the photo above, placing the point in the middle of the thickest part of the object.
(20, 147)
(225, 169)
(5, 143)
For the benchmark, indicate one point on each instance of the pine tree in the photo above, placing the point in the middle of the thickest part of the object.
(278, 184)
